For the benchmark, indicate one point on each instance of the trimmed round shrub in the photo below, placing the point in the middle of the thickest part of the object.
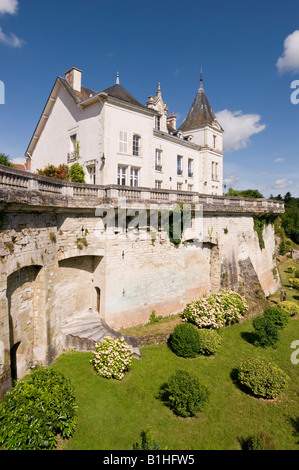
(278, 316)
(209, 341)
(184, 340)
(266, 332)
(262, 378)
(112, 358)
(294, 282)
(290, 307)
(185, 394)
(37, 410)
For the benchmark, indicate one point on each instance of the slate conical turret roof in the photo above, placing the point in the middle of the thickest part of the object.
(200, 114)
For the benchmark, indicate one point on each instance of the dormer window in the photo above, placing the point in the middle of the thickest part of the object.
(157, 122)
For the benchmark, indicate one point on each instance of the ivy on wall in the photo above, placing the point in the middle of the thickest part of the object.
(259, 223)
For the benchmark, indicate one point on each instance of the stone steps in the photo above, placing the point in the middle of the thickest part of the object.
(85, 330)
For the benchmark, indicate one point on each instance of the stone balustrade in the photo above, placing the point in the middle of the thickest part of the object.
(16, 181)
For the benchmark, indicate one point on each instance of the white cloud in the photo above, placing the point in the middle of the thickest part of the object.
(283, 183)
(8, 6)
(289, 61)
(10, 39)
(279, 160)
(238, 128)
(231, 180)
(19, 160)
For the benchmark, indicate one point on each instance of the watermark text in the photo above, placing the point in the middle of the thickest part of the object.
(295, 354)
(2, 92)
(295, 94)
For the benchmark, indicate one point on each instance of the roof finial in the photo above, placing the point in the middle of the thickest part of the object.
(117, 78)
(201, 85)
(159, 89)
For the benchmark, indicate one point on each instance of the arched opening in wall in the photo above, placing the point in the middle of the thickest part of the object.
(75, 290)
(14, 362)
(98, 300)
(22, 305)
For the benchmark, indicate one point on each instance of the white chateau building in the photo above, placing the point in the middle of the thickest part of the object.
(118, 140)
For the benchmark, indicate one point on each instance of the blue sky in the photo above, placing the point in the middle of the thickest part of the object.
(248, 51)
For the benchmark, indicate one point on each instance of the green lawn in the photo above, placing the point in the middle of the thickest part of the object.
(291, 294)
(111, 413)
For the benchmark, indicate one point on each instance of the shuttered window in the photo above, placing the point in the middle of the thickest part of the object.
(123, 142)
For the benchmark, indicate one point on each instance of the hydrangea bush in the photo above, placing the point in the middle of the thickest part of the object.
(217, 310)
(112, 357)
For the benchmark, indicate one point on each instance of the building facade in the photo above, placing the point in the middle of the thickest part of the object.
(120, 141)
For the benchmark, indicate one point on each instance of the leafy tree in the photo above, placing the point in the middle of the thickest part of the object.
(290, 223)
(288, 197)
(77, 173)
(252, 193)
(5, 160)
(290, 218)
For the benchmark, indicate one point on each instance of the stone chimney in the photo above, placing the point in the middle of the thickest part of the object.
(73, 77)
(171, 120)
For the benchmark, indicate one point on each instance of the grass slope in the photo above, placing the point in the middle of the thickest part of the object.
(112, 413)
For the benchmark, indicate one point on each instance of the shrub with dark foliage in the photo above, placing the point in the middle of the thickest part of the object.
(185, 394)
(278, 316)
(36, 411)
(266, 332)
(184, 340)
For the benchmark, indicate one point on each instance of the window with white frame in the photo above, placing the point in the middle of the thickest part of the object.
(215, 171)
(158, 160)
(157, 122)
(134, 177)
(158, 184)
(73, 142)
(91, 174)
(73, 154)
(190, 167)
(136, 144)
(179, 165)
(190, 187)
(179, 186)
(123, 142)
(122, 175)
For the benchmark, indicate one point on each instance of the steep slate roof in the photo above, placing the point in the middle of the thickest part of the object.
(115, 91)
(119, 92)
(78, 97)
(200, 113)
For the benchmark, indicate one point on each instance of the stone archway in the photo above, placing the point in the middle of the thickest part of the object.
(23, 306)
(75, 287)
